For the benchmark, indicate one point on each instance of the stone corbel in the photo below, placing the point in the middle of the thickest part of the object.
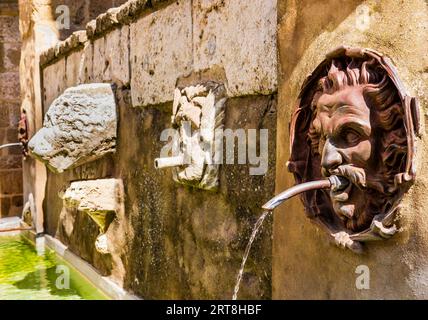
(101, 200)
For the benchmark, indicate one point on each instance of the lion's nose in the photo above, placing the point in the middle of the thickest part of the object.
(331, 157)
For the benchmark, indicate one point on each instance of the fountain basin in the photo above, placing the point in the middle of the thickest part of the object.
(31, 265)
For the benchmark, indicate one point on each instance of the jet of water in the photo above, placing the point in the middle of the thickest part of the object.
(247, 251)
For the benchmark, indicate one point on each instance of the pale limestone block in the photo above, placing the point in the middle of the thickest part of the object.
(54, 82)
(117, 56)
(240, 36)
(101, 199)
(161, 52)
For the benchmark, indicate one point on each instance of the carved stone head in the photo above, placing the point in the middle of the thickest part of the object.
(354, 120)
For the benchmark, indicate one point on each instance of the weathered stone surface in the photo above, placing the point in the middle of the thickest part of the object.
(9, 32)
(111, 57)
(72, 68)
(198, 111)
(86, 64)
(117, 56)
(29, 211)
(101, 199)
(11, 182)
(79, 127)
(10, 162)
(100, 65)
(4, 117)
(54, 82)
(97, 198)
(9, 86)
(10, 158)
(13, 113)
(241, 37)
(174, 242)
(161, 51)
(9, 56)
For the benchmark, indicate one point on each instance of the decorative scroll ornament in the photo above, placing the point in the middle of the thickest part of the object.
(354, 119)
(198, 111)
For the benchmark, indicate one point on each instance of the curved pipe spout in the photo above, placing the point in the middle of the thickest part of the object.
(8, 145)
(333, 182)
(169, 162)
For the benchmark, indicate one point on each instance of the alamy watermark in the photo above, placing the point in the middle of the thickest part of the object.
(218, 146)
(63, 280)
(63, 18)
(362, 282)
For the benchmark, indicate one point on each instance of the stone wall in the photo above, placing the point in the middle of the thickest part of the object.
(173, 241)
(11, 158)
(305, 264)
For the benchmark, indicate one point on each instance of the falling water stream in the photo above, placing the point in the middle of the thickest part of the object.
(247, 251)
(333, 182)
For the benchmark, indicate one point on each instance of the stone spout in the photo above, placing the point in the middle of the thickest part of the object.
(161, 163)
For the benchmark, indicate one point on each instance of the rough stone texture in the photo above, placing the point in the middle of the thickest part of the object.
(54, 82)
(241, 37)
(117, 56)
(86, 64)
(198, 111)
(161, 52)
(10, 159)
(175, 242)
(9, 88)
(305, 264)
(172, 241)
(72, 69)
(102, 200)
(80, 126)
(111, 57)
(173, 38)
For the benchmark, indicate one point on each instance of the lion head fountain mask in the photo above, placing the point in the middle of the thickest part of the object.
(354, 120)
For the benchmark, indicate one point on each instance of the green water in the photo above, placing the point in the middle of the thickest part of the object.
(24, 275)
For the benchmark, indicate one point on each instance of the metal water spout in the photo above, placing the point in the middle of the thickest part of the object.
(333, 182)
(9, 145)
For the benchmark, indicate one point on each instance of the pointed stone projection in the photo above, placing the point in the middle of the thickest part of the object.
(80, 126)
(101, 199)
(198, 111)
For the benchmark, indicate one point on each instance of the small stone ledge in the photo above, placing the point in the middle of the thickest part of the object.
(105, 22)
